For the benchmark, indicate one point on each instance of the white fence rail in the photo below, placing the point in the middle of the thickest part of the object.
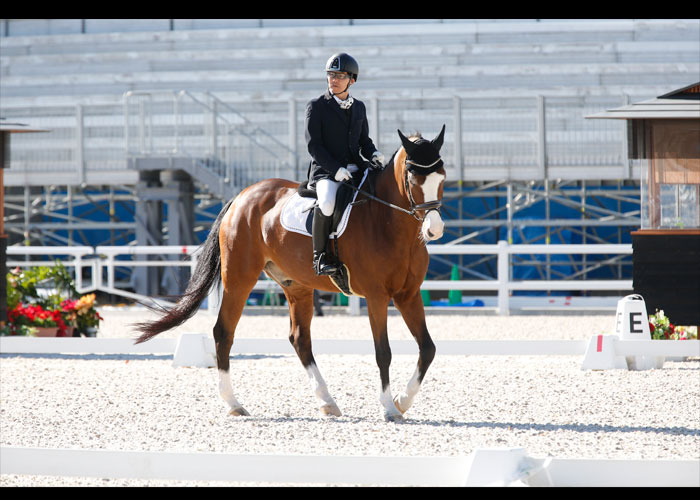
(168, 346)
(102, 261)
(483, 467)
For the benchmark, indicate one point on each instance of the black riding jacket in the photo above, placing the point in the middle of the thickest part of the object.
(336, 137)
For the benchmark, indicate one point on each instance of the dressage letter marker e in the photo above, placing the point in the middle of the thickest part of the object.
(635, 319)
(633, 310)
(631, 323)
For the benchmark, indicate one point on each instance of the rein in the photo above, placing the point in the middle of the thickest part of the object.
(415, 207)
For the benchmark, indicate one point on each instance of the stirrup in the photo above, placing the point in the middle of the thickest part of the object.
(323, 268)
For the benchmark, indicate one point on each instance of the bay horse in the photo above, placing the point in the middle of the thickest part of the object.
(383, 245)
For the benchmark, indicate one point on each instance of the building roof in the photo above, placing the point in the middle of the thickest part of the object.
(681, 103)
(6, 126)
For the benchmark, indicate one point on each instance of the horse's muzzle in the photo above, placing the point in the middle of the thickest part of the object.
(433, 226)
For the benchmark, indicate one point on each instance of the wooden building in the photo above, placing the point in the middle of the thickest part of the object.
(664, 142)
(6, 128)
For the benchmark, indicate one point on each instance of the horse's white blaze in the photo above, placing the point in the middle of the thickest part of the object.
(405, 400)
(226, 390)
(433, 225)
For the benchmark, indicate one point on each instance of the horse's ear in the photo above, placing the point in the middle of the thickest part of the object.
(437, 142)
(408, 145)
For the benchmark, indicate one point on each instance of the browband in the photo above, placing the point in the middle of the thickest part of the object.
(425, 169)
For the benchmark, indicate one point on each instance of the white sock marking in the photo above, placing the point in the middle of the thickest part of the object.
(226, 390)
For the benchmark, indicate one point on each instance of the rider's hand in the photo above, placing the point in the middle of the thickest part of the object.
(377, 160)
(342, 174)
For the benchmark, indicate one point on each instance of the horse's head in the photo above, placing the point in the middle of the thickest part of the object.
(424, 175)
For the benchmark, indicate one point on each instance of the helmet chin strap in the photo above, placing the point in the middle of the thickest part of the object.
(342, 91)
(348, 101)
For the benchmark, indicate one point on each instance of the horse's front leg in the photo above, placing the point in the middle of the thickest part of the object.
(377, 310)
(411, 307)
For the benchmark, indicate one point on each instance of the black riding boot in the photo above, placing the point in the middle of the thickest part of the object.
(320, 230)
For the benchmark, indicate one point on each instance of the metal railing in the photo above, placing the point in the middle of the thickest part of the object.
(229, 149)
(102, 262)
(488, 138)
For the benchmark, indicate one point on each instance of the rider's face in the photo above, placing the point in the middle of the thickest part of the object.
(337, 82)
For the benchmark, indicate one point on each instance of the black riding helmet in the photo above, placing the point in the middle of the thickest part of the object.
(345, 63)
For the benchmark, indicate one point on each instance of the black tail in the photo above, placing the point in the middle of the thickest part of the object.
(206, 274)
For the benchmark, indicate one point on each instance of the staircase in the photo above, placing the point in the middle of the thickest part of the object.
(205, 137)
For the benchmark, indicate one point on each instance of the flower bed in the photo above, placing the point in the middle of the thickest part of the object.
(45, 298)
(23, 318)
(661, 328)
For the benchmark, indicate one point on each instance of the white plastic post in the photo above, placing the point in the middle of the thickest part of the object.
(354, 305)
(497, 467)
(192, 349)
(632, 323)
(214, 300)
(503, 267)
(600, 354)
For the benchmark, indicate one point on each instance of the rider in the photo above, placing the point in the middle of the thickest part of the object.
(337, 137)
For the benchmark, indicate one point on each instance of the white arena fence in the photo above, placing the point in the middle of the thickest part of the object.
(103, 260)
(482, 467)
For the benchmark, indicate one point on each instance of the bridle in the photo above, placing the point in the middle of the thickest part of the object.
(424, 170)
(414, 207)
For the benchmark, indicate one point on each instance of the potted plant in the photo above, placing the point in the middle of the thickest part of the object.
(82, 313)
(38, 321)
(43, 301)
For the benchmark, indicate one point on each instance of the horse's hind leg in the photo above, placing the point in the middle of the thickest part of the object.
(411, 308)
(223, 349)
(232, 305)
(301, 308)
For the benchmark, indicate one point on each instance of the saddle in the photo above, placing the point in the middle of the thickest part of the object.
(301, 203)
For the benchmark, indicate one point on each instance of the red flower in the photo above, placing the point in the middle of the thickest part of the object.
(34, 313)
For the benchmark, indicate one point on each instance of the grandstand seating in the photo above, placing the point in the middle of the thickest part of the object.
(412, 67)
(634, 57)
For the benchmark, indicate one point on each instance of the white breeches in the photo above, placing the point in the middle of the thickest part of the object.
(326, 190)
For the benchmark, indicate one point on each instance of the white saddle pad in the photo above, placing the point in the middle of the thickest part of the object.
(296, 211)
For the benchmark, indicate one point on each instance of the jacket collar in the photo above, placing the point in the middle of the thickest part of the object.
(336, 107)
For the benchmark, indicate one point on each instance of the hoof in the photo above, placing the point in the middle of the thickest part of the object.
(398, 407)
(393, 417)
(239, 412)
(332, 410)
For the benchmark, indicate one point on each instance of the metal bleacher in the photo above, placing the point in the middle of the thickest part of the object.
(223, 101)
(497, 68)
